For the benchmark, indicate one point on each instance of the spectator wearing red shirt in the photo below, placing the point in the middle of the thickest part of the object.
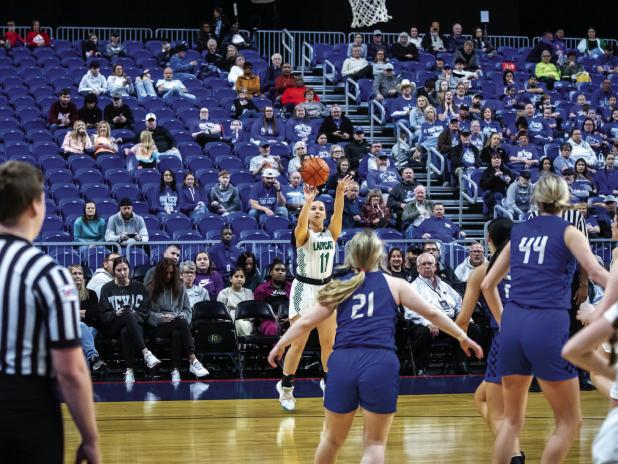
(36, 37)
(63, 113)
(285, 80)
(11, 37)
(276, 289)
(294, 95)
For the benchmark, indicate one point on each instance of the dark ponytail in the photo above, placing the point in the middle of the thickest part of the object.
(612, 341)
(499, 230)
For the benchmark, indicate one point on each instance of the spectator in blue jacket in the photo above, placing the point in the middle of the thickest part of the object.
(385, 177)
(606, 179)
(192, 200)
(439, 227)
(166, 199)
(352, 206)
(183, 67)
(564, 160)
(225, 254)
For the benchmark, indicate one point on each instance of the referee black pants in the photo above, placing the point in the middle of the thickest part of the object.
(31, 430)
(182, 340)
(131, 336)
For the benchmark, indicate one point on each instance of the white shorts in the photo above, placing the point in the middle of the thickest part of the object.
(605, 445)
(302, 298)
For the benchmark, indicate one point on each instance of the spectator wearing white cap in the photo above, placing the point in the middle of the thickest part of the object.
(356, 67)
(404, 103)
(404, 50)
(386, 84)
(376, 45)
(266, 198)
(163, 139)
(358, 42)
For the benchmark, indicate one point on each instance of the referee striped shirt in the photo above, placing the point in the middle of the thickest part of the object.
(573, 217)
(39, 309)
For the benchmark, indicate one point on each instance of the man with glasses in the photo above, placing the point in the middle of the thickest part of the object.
(476, 257)
(385, 85)
(564, 160)
(103, 274)
(546, 71)
(195, 293)
(357, 148)
(117, 114)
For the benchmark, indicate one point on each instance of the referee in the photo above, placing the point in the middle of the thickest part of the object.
(39, 334)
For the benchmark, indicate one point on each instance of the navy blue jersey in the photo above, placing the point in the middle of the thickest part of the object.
(504, 288)
(368, 317)
(542, 266)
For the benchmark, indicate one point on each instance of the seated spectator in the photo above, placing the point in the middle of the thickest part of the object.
(103, 274)
(456, 40)
(243, 107)
(523, 156)
(163, 139)
(253, 278)
(338, 128)
(144, 87)
(223, 198)
(430, 131)
(571, 69)
(193, 204)
(481, 43)
(300, 156)
(403, 49)
(119, 83)
(272, 72)
(225, 254)
(313, 107)
(89, 318)
(183, 67)
(236, 70)
(241, 40)
(343, 170)
(477, 139)
(415, 39)
(102, 140)
(595, 138)
(607, 62)
(166, 199)
(591, 45)
(606, 179)
(90, 113)
(235, 294)
(442, 296)
(93, 81)
(124, 306)
(468, 55)
(546, 71)
(145, 151)
(592, 225)
(165, 55)
(434, 42)
(90, 47)
(358, 42)
(229, 60)
(265, 160)
(203, 130)
(248, 80)
(429, 92)
(195, 293)
(394, 264)
(494, 181)
(409, 265)
(404, 103)
(375, 46)
(62, 113)
(268, 128)
(438, 227)
(564, 159)
(294, 95)
(449, 138)
(36, 37)
(385, 177)
(476, 257)
(125, 226)
(583, 178)
(416, 211)
(284, 80)
(275, 290)
(298, 127)
(77, 140)
(356, 67)
(375, 213)
(294, 195)
(379, 63)
(581, 149)
(118, 114)
(168, 87)
(171, 252)
(519, 196)
(206, 276)
(170, 317)
(357, 149)
(114, 47)
(11, 38)
(386, 84)
(546, 166)
(212, 57)
(603, 94)
(236, 133)
(464, 156)
(88, 228)
(204, 35)
(352, 207)
(266, 198)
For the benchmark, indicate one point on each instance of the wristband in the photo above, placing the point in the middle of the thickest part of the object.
(462, 336)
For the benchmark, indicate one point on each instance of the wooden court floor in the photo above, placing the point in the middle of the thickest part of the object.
(427, 429)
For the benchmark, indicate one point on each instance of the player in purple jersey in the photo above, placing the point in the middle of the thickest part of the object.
(488, 396)
(363, 368)
(535, 324)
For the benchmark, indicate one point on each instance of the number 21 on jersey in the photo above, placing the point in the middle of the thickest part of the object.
(363, 305)
(527, 245)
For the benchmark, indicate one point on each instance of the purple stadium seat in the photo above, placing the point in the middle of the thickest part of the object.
(170, 162)
(105, 162)
(77, 162)
(106, 206)
(214, 149)
(194, 163)
(251, 235)
(152, 223)
(186, 235)
(52, 224)
(389, 234)
(242, 222)
(62, 191)
(228, 162)
(207, 176)
(283, 234)
(241, 176)
(47, 162)
(16, 149)
(120, 191)
(158, 236)
(189, 149)
(183, 137)
(88, 176)
(58, 176)
(175, 222)
(209, 223)
(244, 191)
(147, 176)
(70, 206)
(66, 257)
(137, 257)
(273, 223)
(95, 190)
(117, 176)
(96, 257)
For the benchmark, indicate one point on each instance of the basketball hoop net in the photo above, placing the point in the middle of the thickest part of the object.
(368, 12)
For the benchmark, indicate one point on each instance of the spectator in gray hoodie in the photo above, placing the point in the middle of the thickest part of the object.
(93, 81)
(125, 227)
(519, 195)
(103, 274)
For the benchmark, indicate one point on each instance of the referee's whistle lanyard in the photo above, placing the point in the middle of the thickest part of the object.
(446, 306)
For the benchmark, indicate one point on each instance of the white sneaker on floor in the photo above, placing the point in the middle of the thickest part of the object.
(286, 397)
(150, 359)
(175, 376)
(323, 386)
(197, 389)
(197, 369)
(129, 377)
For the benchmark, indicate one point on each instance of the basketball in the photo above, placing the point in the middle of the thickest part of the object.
(315, 172)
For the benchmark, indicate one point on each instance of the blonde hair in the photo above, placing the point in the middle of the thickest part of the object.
(364, 251)
(145, 138)
(83, 138)
(430, 108)
(107, 128)
(83, 291)
(551, 194)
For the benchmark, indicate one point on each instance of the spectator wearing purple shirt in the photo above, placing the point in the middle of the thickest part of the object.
(206, 276)
(438, 227)
(266, 198)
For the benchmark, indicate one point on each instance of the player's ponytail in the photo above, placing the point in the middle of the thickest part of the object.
(499, 231)
(612, 341)
(551, 194)
(362, 253)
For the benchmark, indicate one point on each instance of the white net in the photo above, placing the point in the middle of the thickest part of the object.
(368, 12)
